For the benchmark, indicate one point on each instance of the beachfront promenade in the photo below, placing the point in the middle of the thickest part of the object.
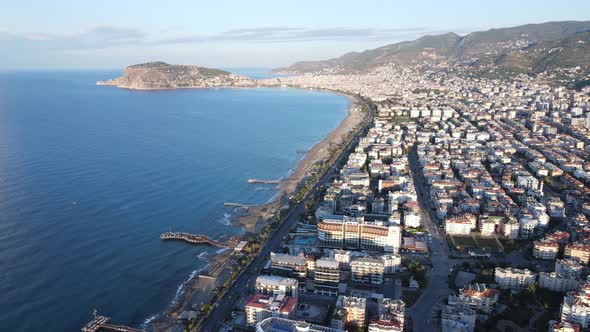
(224, 306)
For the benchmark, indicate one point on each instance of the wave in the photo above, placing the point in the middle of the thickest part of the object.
(179, 291)
(265, 188)
(274, 197)
(181, 287)
(146, 322)
(226, 220)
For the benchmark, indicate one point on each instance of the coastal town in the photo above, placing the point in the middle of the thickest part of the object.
(463, 206)
(295, 166)
(453, 197)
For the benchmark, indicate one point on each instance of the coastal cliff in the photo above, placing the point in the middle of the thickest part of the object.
(160, 75)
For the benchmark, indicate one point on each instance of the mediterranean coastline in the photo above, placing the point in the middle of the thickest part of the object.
(190, 294)
(112, 115)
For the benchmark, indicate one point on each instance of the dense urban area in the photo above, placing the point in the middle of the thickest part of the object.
(463, 207)
(459, 203)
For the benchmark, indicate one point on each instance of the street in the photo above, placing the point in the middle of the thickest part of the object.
(425, 309)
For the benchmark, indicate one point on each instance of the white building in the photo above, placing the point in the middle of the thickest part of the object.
(527, 182)
(391, 262)
(259, 307)
(391, 316)
(274, 324)
(356, 310)
(476, 296)
(510, 229)
(545, 249)
(457, 226)
(367, 270)
(326, 276)
(557, 282)
(411, 219)
(355, 233)
(528, 226)
(277, 285)
(458, 318)
(576, 306)
(513, 278)
(569, 266)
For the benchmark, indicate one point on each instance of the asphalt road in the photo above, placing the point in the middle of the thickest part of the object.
(423, 311)
(246, 280)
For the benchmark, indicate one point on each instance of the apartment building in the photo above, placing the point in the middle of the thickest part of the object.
(557, 282)
(355, 308)
(455, 226)
(544, 249)
(457, 318)
(580, 251)
(476, 296)
(326, 276)
(391, 316)
(288, 265)
(367, 270)
(576, 306)
(513, 278)
(259, 307)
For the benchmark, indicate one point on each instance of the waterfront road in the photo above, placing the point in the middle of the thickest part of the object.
(425, 309)
(245, 281)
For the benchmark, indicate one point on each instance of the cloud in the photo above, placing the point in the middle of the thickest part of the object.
(110, 36)
(292, 34)
(93, 38)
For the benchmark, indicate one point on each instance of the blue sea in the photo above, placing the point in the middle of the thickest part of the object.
(90, 176)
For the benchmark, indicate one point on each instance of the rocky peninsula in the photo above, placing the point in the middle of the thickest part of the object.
(160, 75)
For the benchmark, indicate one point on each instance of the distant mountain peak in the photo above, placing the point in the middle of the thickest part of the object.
(499, 46)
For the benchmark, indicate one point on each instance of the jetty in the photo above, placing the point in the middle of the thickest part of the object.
(102, 322)
(264, 181)
(191, 238)
(230, 204)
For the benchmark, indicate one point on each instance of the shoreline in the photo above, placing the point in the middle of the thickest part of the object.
(319, 151)
(248, 217)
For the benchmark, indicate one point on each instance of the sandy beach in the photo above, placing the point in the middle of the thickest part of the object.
(318, 153)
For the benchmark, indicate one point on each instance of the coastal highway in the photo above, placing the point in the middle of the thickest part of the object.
(246, 280)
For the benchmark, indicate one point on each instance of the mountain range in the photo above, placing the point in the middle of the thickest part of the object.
(527, 48)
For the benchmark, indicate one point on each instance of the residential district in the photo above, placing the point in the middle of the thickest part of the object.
(463, 207)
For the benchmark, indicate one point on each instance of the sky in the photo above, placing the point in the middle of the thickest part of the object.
(61, 34)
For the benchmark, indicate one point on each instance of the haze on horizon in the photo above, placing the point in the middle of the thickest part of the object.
(110, 34)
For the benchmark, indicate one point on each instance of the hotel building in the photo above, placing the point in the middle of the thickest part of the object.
(356, 233)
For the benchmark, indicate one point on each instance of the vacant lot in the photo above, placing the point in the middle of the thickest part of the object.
(488, 243)
(476, 242)
(463, 242)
